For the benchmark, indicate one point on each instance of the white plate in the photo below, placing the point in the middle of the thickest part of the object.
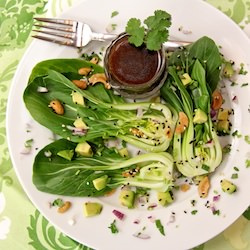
(187, 230)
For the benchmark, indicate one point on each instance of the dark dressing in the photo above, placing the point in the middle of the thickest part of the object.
(132, 65)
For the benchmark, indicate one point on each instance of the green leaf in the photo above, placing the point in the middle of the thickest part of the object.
(155, 38)
(160, 20)
(113, 227)
(136, 32)
(160, 226)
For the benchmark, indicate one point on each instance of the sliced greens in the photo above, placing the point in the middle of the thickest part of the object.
(57, 175)
(196, 150)
(147, 125)
(176, 134)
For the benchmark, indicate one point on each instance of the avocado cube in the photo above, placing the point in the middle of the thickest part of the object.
(199, 116)
(123, 152)
(127, 198)
(92, 208)
(100, 182)
(165, 198)
(223, 114)
(66, 154)
(228, 70)
(186, 79)
(223, 127)
(77, 98)
(84, 149)
(79, 123)
(227, 186)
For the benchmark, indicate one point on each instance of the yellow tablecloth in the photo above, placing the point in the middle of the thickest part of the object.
(21, 224)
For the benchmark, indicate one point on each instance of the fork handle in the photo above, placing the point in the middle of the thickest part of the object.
(103, 37)
(170, 45)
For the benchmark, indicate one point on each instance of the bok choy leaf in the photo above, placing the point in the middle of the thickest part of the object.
(57, 175)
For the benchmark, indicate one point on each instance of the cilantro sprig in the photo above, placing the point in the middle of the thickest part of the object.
(153, 31)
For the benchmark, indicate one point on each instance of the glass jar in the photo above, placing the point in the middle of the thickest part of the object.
(134, 72)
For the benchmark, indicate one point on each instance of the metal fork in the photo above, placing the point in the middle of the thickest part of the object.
(78, 34)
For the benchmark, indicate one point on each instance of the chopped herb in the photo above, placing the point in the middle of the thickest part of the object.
(154, 34)
(242, 71)
(28, 143)
(193, 202)
(244, 84)
(113, 25)
(234, 84)
(160, 226)
(113, 227)
(194, 212)
(247, 162)
(205, 167)
(216, 212)
(57, 203)
(247, 139)
(226, 149)
(236, 169)
(114, 13)
(237, 134)
(234, 176)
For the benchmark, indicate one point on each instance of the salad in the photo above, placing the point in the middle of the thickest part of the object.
(106, 142)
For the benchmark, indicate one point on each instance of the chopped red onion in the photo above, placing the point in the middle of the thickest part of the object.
(41, 89)
(136, 221)
(26, 151)
(212, 113)
(151, 218)
(171, 219)
(152, 206)
(118, 214)
(234, 98)
(141, 236)
(216, 198)
(47, 154)
(139, 112)
(209, 144)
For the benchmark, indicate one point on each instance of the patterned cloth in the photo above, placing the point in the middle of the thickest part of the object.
(21, 224)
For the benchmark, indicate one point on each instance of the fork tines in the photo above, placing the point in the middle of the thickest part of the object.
(64, 29)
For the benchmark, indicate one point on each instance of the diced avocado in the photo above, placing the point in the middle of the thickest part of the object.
(79, 123)
(227, 186)
(165, 198)
(77, 98)
(223, 114)
(228, 70)
(100, 182)
(92, 208)
(84, 149)
(66, 154)
(200, 116)
(123, 152)
(186, 79)
(223, 127)
(127, 198)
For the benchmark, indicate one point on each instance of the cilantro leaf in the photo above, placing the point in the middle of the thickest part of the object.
(113, 227)
(160, 227)
(155, 38)
(160, 21)
(153, 31)
(57, 203)
(247, 139)
(114, 13)
(136, 32)
(247, 162)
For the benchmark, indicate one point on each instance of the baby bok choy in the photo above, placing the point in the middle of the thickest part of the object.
(196, 148)
(94, 112)
(55, 174)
